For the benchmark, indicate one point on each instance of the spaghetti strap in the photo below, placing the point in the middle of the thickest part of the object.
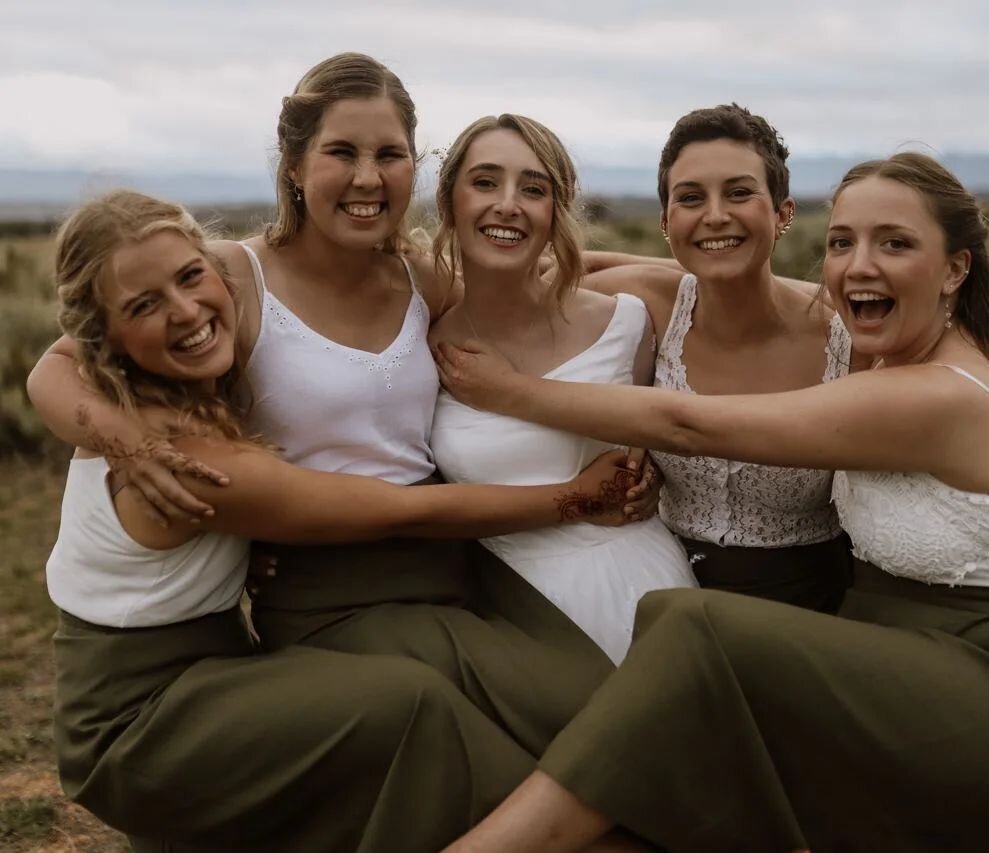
(962, 372)
(258, 272)
(411, 273)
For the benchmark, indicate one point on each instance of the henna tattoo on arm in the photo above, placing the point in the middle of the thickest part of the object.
(609, 497)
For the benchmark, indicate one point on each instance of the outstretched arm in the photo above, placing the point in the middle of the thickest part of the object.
(270, 499)
(900, 419)
(596, 261)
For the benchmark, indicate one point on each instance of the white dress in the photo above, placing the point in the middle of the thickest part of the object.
(596, 575)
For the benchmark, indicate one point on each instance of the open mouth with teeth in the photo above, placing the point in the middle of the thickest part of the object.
(363, 210)
(870, 307)
(722, 244)
(502, 236)
(198, 341)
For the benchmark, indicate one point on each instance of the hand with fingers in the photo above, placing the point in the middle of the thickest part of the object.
(599, 492)
(151, 467)
(475, 373)
(643, 497)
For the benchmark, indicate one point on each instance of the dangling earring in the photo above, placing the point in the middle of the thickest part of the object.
(947, 316)
(666, 235)
(298, 193)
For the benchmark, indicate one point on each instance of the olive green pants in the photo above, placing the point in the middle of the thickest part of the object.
(449, 604)
(738, 724)
(182, 735)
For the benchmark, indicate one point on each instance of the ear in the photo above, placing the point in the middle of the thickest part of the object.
(784, 216)
(958, 266)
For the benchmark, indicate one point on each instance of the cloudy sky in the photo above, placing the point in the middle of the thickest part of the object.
(195, 85)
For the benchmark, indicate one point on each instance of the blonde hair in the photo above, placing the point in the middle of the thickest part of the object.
(343, 77)
(84, 250)
(565, 236)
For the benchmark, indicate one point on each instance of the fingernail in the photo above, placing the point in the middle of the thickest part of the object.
(210, 513)
(270, 572)
(194, 520)
(632, 465)
(224, 481)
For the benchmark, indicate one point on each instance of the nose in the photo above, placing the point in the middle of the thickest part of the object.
(507, 203)
(861, 263)
(715, 212)
(367, 175)
(183, 307)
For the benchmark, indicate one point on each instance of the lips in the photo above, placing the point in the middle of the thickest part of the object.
(719, 244)
(870, 307)
(363, 209)
(198, 341)
(503, 235)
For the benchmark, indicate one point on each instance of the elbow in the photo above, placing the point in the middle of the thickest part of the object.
(681, 435)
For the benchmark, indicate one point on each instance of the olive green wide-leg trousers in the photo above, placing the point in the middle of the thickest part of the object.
(737, 724)
(182, 735)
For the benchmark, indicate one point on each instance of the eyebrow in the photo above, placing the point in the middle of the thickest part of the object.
(732, 180)
(533, 174)
(884, 226)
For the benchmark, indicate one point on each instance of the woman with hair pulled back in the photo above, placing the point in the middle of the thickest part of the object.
(727, 325)
(775, 728)
(505, 194)
(167, 725)
(334, 341)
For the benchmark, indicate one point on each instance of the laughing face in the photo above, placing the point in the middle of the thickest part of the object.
(169, 310)
(887, 270)
(720, 216)
(356, 177)
(502, 203)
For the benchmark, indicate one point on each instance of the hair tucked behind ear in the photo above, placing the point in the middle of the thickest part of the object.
(962, 222)
(84, 249)
(565, 235)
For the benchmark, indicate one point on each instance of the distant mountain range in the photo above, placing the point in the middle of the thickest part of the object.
(27, 194)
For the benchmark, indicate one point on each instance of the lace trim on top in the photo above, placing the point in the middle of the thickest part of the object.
(738, 503)
(915, 526)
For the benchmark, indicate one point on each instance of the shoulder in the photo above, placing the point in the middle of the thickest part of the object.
(657, 286)
(234, 258)
(439, 294)
(240, 271)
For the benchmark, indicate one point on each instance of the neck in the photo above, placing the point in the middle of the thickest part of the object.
(317, 259)
(920, 351)
(501, 305)
(739, 309)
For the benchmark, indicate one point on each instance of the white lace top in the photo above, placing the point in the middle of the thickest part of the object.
(915, 526)
(738, 503)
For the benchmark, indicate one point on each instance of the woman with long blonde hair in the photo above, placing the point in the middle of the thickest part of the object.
(505, 195)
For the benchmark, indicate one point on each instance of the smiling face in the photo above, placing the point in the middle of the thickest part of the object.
(502, 203)
(887, 269)
(168, 309)
(357, 175)
(720, 216)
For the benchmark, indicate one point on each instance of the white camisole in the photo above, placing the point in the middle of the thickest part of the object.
(913, 525)
(738, 503)
(330, 407)
(98, 573)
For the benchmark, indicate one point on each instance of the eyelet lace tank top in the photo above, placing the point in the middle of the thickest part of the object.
(738, 503)
(330, 407)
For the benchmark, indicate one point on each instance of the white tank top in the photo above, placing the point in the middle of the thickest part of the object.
(333, 408)
(98, 573)
(914, 526)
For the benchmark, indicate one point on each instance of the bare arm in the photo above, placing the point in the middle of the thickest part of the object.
(901, 419)
(597, 261)
(80, 416)
(270, 499)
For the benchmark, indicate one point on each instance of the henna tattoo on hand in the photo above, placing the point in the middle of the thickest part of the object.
(609, 497)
